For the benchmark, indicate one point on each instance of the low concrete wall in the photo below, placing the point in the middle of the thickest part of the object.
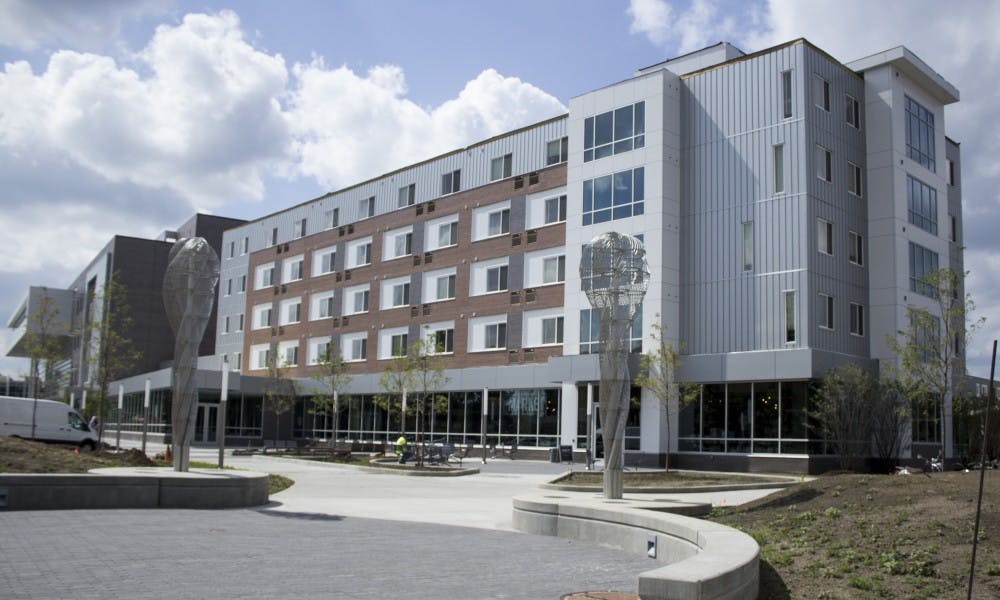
(703, 560)
(133, 488)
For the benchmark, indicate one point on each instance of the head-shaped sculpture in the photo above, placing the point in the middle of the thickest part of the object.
(614, 272)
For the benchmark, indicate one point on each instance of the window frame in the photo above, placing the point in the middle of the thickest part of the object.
(560, 210)
(559, 331)
(560, 269)
(826, 312)
(854, 180)
(407, 196)
(824, 163)
(822, 93)
(824, 229)
(562, 151)
(853, 110)
(857, 319)
(855, 248)
(611, 208)
(619, 140)
(501, 167)
(787, 104)
(451, 182)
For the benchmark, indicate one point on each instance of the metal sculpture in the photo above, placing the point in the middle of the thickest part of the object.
(188, 295)
(614, 275)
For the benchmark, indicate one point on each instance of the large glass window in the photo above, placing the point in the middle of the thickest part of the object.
(748, 245)
(786, 94)
(922, 204)
(613, 197)
(790, 318)
(614, 132)
(922, 263)
(500, 167)
(554, 269)
(590, 331)
(557, 151)
(779, 168)
(739, 407)
(451, 182)
(765, 417)
(919, 133)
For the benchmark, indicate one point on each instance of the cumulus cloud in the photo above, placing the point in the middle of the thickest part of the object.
(30, 24)
(701, 23)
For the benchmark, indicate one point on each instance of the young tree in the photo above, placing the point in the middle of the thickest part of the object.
(279, 390)
(930, 362)
(658, 375)
(115, 353)
(842, 411)
(331, 376)
(890, 413)
(44, 340)
(427, 377)
(396, 380)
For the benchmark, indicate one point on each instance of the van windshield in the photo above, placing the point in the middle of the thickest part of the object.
(76, 422)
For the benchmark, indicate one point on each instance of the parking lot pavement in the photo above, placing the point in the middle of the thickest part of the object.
(264, 553)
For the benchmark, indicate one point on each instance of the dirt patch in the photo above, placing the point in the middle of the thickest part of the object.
(665, 479)
(875, 536)
(26, 456)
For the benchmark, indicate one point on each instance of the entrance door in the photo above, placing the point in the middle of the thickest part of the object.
(206, 426)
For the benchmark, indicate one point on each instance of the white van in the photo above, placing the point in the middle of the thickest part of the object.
(54, 422)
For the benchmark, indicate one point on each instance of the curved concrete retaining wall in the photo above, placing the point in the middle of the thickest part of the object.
(703, 560)
(133, 488)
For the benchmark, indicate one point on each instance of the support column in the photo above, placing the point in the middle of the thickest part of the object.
(569, 414)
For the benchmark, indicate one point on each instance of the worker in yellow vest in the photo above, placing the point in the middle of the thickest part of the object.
(401, 451)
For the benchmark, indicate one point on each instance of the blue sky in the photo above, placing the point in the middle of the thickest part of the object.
(126, 117)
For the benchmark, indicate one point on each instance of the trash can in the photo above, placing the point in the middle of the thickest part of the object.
(566, 453)
(554, 455)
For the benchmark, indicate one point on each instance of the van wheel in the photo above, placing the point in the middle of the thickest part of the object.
(87, 446)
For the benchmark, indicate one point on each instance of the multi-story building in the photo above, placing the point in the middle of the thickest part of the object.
(787, 203)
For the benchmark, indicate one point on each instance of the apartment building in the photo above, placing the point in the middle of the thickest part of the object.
(788, 204)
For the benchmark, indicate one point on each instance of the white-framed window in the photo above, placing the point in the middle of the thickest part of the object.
(500, 167)
(395, 292)
(321, 306)
(554, 269)
(489, 221)
(324, 261)
(791, 319)
(747, 245)
(856, 248)
(393, 342)
(854, 179)
(557, 151)
(245, 247)
(487, 333)
(857, 319)
(407, 195)
(319, 349)
(299, 228)
(331, 218)
(824, 236)
(441, 337)
(495, 336)
(356, 299)
(274, 236)
(853, 110)
(264, 276)
(779, 168)
(821, 92)
(288, 353)
(260, 355)
(552, 331)
(825, 311)
(617, 196)
(614, 132)
(263, 316)
(441, 233)
(354, 346)
(498, 222)
(366, 207)
(439, 285)
(359, 253)
(451, 182)
(555, 210)
(824, 164)
(488, 276)
(542, 327)
(292, 269)
(291, 311)
(397, 243)
(786, 94)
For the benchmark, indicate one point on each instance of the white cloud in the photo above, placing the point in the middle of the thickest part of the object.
(651, 18)
(30, 24)
(702, 23)
(350, 127)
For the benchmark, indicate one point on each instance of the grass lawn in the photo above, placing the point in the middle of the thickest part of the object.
(875, 536)
(26, 456)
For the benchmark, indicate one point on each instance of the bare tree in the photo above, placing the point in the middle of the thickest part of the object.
(929, 350)
(332, 375)
(115, 354)
(842, 411)
(279, 390)
(427, 377)
(890, 413)
(395, 381)
(658, 375)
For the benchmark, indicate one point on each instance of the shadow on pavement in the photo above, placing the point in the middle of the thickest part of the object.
(270, 512)
(772, 586)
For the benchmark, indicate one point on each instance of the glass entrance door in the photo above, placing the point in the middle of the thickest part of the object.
(206, 425)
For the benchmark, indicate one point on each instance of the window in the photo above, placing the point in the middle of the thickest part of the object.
(496, 336)
(299, 229)
(824, 164)
(398, 243)
(232, 248)
(447, 234)
(274, 236)
(291, 311)
(786, 94)
(557, 151)
(262, 316)
(951, 172)
(590, 331)
(855, 249)
(857, 319)
(398, 345)
(451, 182)
(398, 294)
(237, 363)
(554, 269)
(922, 263)
(323, 306)
(357, 348)
(854, 179)
(552, 330)
(555, 210)
(954, 228)
(331, 218)
(366, 207)
(920, 134)
(779, 168)
(496, 279)
(243, 284)
(356, 300)
(324, 261)
(407, 195)
(617, 196)
(825, 311)
(225, 326)
(239, 322)
(922, 204)
(444, 287)
(362, 254)
(291, 355)
(790, 318)
(500, 167)
(853, 111)
(260, 356)
(292, 269)
(748, 245)
(319, 350)
(229, 287)
(498, 223)
(246, 245)
(824, 236)
(614, 132)
(264, 276)
(442, 340)
(821, 92)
